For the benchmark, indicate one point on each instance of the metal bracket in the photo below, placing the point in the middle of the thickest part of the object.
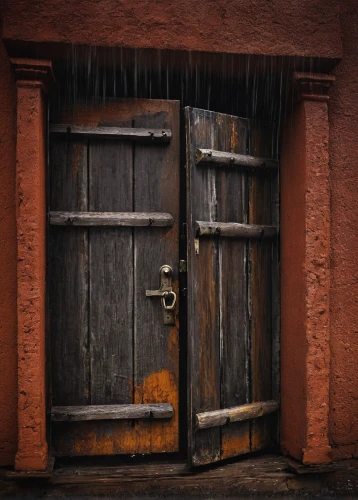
(196, 246)
(165, 292)
(182, 266)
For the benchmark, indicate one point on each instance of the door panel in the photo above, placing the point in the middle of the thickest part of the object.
(109, 343)
(230, 284)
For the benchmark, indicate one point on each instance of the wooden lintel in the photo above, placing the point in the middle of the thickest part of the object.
(111, 412)
(134, 134)
(249, 411)
(234, 230)
(224, 159)
(129, 219)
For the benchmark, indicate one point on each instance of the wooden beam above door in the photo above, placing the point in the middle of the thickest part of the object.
(234, 230)
(134, 134)
(227, 159)
(111, 412)
(131, 219)
(217, 418)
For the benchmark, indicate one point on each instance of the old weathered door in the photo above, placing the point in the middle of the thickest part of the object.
(233, 322)
(113, 224)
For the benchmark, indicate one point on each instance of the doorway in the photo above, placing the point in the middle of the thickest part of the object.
(82, 251)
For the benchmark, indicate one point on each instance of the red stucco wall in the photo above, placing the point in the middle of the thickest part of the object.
(344, 241)
(8, 358)
(284, 27)
(276, 27)
(293, 227)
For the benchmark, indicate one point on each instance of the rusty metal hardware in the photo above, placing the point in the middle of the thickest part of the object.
(169, 307)
(165, 292)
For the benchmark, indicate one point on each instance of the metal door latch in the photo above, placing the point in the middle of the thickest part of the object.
(165, 292)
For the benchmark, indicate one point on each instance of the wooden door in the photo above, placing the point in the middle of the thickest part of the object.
(233, 308)
(113, 223)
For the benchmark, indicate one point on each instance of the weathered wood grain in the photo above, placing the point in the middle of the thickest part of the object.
(231, 159)
(235, 414)
(264, 474)
(68, 275)
(156, 352)
(234, 321)
(110, 272)
(238, 280)
(261, 143)
(133, 357)
(234, 230)
(128, 219)
(113, 132)
(203, 291)
(111, 412)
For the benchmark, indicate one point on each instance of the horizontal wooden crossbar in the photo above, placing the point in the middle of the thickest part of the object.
(234, 230)
(152, 219)
(111, 412)
(134, 134)
(249, 411)
(223, 159)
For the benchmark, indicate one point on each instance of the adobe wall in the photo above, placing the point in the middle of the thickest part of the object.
(273, 27)
(343, 115)
(276, 27)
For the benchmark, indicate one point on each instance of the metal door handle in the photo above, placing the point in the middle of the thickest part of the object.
(165, 293)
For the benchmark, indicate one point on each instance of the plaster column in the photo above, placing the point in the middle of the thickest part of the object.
(305, 274)
(32, 79)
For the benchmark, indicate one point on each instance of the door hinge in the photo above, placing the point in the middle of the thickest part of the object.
(182, 266)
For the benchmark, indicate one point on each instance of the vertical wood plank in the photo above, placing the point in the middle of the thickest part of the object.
(68, 279)
(156, 354)
(203, 314)
(260, 212)
(234, 323)
(111, 274)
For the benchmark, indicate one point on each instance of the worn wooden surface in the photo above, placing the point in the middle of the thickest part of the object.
(135, 134)
(234, 230)
(203, 300)
(110, 274)
(262, 143)
(236, 414)
(128, 219)
(229, 302)
(68, 275)
(111, 412)
(233, 311)
(118, 351)
(231, 159)
(156, 371)
(267, 475)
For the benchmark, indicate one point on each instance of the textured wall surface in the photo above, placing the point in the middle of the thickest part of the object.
(344, 234)
(293, 311)
(8, 357)
(284, 27)
(305, 284)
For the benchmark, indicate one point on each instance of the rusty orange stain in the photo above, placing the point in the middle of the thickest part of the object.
(128, 437)
(235, 443)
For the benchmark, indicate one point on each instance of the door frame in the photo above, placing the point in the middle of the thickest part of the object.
(305, 154)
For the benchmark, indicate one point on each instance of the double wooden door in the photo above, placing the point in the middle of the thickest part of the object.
(113, 282)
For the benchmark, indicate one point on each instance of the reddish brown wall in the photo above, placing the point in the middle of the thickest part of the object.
(293, 343)
(8, 358)
(344, 237)
(284, 27)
